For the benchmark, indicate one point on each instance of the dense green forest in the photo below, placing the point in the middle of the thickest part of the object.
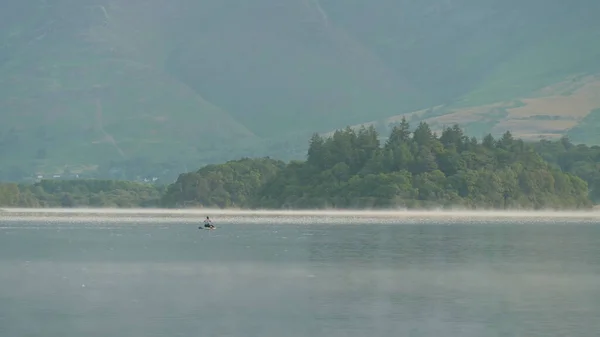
(353, 169)
(417, 169)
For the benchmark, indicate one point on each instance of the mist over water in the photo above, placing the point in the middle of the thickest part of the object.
(286, 216)
(154, 273)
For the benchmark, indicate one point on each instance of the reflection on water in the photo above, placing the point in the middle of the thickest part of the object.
(410, 279)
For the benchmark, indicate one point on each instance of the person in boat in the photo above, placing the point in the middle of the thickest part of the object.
(208, 223)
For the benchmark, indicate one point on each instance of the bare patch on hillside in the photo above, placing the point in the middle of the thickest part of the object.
(467, 115)
(577, 104)
(548, 113)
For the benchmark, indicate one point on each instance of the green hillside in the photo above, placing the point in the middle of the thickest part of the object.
(188, 82)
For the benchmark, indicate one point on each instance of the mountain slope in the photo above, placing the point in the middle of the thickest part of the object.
(528, 66)
(83, 82)
(76, 91)
(288, 65)
(87, 82)
(451, 48)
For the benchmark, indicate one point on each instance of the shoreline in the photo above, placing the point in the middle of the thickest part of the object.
(195, 213)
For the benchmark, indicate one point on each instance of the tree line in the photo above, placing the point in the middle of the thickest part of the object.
(80, 193)
(411, 169)
(356, 169)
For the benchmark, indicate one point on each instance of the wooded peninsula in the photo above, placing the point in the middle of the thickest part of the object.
(354, 169)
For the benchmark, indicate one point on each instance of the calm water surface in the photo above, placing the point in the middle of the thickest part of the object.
(407, 279)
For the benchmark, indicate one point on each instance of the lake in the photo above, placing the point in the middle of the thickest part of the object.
(308, 276)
